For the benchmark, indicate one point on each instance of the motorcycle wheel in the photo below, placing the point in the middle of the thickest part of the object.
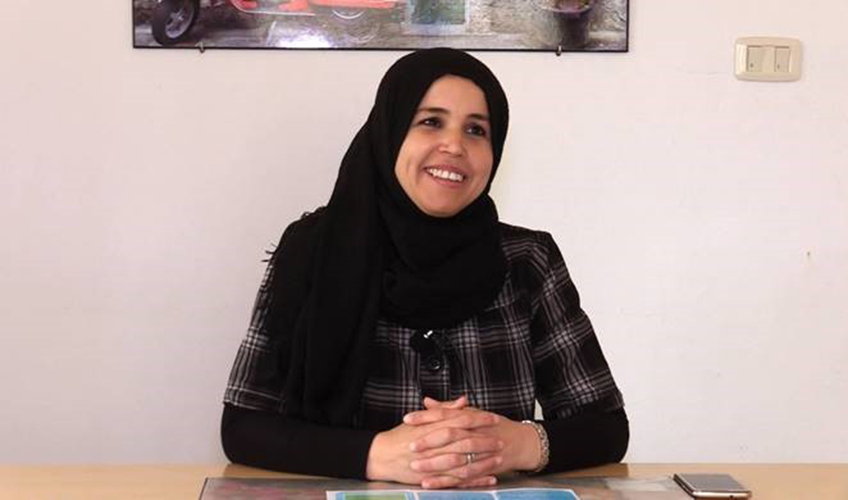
(349, 14)
(173, 19)
(357, 26)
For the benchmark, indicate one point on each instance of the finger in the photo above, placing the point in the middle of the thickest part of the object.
(466, 473)
(439, 482)
(456, 404)
(472, 443)
(449, 435)
(439, 438)
(478, 482)
(485, 466)
(464, 418)
(445, 462)
(440, 463)
(428, 415)
(446, 433)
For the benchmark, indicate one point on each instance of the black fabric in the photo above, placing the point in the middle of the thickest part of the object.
(273, 441)
(374, 252)
(263, 439)
(589, 439)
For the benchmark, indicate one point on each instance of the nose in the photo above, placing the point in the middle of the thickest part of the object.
(452, 142)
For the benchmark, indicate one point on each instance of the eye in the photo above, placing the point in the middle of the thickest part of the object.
(431, 121)
(478, 130)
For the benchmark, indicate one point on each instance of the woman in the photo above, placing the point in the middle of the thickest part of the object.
(403, 333)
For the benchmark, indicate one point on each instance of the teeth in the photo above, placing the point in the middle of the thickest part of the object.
(445, 174)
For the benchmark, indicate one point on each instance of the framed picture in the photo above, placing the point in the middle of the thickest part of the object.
(531, 25)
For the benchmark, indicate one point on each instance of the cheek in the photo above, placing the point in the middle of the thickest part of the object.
(406, 170)
(483, 164)
(402, 165)
(479, 188)
(408, 155)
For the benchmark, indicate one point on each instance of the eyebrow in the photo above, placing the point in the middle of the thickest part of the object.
(443, 111)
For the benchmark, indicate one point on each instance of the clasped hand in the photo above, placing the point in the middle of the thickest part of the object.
(451, 445)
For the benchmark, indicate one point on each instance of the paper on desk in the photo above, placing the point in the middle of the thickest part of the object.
(508, 494)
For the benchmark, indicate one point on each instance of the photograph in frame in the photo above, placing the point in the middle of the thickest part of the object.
(525, 25)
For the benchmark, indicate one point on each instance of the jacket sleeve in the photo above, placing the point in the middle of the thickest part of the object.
(586, 440)
(272, 441)
(582, 405)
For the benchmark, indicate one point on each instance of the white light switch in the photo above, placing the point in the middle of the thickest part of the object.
(768, 59)
(755, 57)
(781, 59)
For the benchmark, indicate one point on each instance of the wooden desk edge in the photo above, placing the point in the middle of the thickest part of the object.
(768, 481)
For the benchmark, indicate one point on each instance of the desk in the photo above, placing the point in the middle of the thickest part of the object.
(164, 482)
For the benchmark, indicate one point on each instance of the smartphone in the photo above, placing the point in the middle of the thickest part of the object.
(712, 486)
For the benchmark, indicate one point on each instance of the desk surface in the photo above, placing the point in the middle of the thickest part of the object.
(163, 482)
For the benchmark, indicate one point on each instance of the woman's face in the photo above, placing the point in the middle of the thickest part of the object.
(445, 160)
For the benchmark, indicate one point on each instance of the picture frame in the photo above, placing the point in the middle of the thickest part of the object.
(508, 25)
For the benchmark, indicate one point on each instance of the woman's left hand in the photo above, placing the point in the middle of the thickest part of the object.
(445, 460)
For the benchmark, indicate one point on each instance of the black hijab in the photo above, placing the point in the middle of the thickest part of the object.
(372, 253)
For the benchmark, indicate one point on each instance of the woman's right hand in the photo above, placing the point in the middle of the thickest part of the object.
(392, 452)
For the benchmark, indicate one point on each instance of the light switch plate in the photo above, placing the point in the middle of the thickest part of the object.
(768, 59)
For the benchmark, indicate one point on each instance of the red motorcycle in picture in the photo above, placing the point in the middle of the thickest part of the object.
(172, 20)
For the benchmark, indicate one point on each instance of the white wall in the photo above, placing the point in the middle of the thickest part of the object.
(705, 221)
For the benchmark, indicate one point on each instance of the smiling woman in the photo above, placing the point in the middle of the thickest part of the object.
(402, 332)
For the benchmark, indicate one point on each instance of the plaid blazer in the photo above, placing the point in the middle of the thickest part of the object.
(533, 343)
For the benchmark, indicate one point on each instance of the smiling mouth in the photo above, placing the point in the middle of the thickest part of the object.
(446, 175)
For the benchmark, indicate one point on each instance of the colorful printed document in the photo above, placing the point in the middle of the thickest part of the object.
(509, 494)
